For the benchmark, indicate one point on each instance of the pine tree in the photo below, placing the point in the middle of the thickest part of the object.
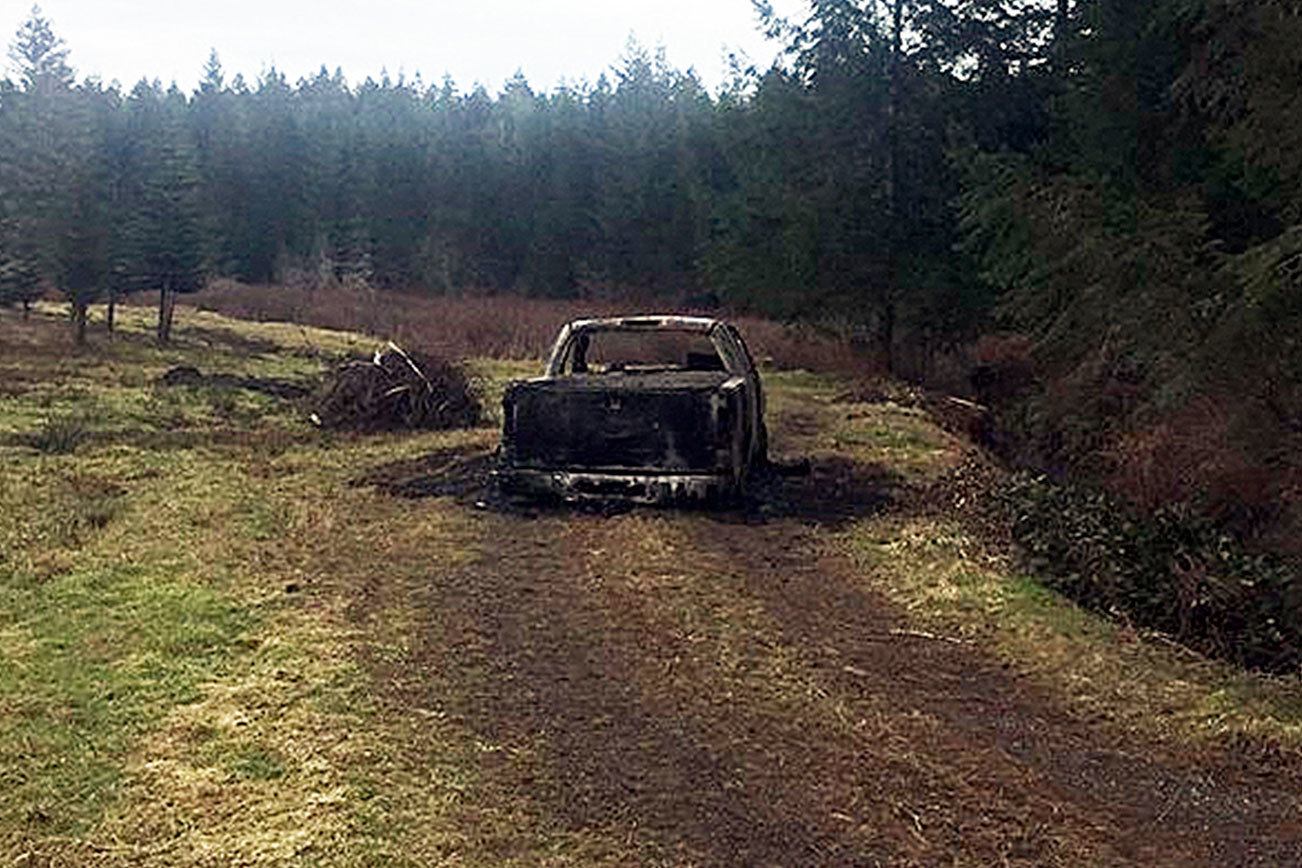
(172, 257)
(162, 242)
(20, 280)
(40, 56)
(55, 170)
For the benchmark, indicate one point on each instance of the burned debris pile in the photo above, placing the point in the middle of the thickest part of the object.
(396, 390)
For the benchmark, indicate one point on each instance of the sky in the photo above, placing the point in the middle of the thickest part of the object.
(482, 41)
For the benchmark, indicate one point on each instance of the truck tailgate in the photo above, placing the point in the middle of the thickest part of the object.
(559, 424)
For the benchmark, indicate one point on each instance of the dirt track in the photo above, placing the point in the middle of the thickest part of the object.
(729, 690)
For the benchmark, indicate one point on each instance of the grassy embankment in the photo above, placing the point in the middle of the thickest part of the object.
(187, 661)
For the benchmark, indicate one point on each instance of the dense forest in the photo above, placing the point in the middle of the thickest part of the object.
(1095, 204)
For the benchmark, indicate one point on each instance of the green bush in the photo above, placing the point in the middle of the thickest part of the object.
(1172, 571)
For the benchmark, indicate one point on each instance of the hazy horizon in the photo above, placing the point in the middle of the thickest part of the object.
(550, 42)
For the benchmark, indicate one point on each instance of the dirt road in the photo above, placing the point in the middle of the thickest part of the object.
(686, 688)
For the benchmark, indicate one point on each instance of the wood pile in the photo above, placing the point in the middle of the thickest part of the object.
(397, 391)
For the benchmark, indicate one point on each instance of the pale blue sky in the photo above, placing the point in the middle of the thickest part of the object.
(473, 40)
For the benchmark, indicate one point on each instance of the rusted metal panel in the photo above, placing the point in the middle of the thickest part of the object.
(685, 428)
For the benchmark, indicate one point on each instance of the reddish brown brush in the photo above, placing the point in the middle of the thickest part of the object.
(1220, 454)
(1001, 366)
(509, 327)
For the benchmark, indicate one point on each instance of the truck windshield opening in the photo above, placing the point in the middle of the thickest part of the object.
(615, 351)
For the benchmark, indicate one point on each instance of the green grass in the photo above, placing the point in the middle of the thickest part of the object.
(252, 762)
(156, 674)
(92, 659)
(132, 519)
(489, 378)
(60, 435)
(949, 582)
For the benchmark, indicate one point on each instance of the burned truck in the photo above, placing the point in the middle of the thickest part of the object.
(650, 409)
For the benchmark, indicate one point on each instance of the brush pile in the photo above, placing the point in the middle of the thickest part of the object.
(396, 391)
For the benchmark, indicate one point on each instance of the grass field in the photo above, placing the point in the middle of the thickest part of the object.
(229, 638)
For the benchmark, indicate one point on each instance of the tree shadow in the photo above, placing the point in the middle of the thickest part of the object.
(829, 491)
(261, 441)
(186, 376)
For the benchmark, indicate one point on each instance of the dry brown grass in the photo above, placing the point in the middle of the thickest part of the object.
(503, 327)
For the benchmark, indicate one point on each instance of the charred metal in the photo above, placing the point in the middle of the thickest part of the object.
(650, 409)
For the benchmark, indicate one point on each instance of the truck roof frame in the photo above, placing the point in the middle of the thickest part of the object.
(647, 323)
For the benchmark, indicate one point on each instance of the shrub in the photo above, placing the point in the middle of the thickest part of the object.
(1001, 367)
(1172, 571)
(1217, 453)
(510, 327)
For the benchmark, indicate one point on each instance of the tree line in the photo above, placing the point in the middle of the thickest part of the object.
(928, 169)
(824, 186)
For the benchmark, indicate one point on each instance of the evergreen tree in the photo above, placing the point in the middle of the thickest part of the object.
(1076, 149)
(20, 280)
(56, 171)
(842, 175)
(561, 232)
(40, 55)
(166, 238)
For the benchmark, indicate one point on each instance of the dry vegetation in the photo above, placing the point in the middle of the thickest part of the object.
(501, 326)
(230, 638)
(1221, 451)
